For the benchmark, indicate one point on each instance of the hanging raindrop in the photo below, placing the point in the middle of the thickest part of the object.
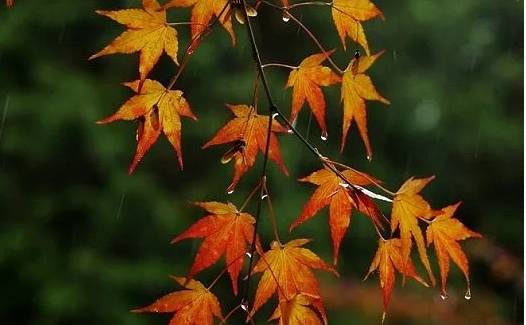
(274, 115)
(264, 196)
(443, 296)
(467, 296)
(324, 136)
(244, 306)
(285, 17)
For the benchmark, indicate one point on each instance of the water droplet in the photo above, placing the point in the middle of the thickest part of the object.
(285, 17)
(245, 278)
(274, 115)
(344, 185)
(248, 254)
(229, 191)
(369, 158)
(244, 306)
(264, 196)
(443, 296)
(467, 296)
(324, 136)
(289, 131)
(383, 317)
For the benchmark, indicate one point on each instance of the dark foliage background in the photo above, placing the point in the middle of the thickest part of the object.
(83, 242)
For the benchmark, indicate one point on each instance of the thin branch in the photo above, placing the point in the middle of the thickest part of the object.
(272, 109)
(311, 35)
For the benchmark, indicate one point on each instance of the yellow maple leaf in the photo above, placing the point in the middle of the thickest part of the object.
(204, 11)
(147, 33)
(347, 15)
(306, 81)
(356, 88)
(408, 206)
(160, 110)
(194, 305)
(444, 232)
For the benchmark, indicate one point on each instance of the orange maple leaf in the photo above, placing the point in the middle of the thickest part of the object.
(148, 33)
(408, 206)
(387, 259)
(287, 269)
(193, 305)
(203, 12)
(158, 109)
(227, 231)
(444, 232)
(341, 199)
(347, 15)
(356, 88)
(306, 81)
(248, 131)
(297, 311)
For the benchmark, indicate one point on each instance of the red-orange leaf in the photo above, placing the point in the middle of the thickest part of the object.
(408, 206)
(195, 305)
(297, 311)
(389, 258)
(347, 15)
(148, 33)
(157, 109)
(227, 232)
(248, 132)
(444, 232)
(287, 270)
(341, 199)
(9, 3)
(306, 81)
(357, 87)
(203, 12)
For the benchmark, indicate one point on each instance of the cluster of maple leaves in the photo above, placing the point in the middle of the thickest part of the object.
(231, 232)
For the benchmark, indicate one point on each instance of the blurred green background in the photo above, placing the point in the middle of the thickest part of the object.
(81, 242)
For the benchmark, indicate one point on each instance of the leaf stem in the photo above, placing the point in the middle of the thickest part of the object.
(271, 214)
(279, 65)
(249, 197)
(375, 183)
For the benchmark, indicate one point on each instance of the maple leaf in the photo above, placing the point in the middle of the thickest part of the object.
(341, 199)
(306, 81)
(227, 231)
(193, 305)
(387, 259)
(248, 132)
(296, 311)
(356, 88)
(347, 15)
(444, 232)
(203, 12)
(287, 269)
(408, 206)
(158, 109)
(148, 33)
